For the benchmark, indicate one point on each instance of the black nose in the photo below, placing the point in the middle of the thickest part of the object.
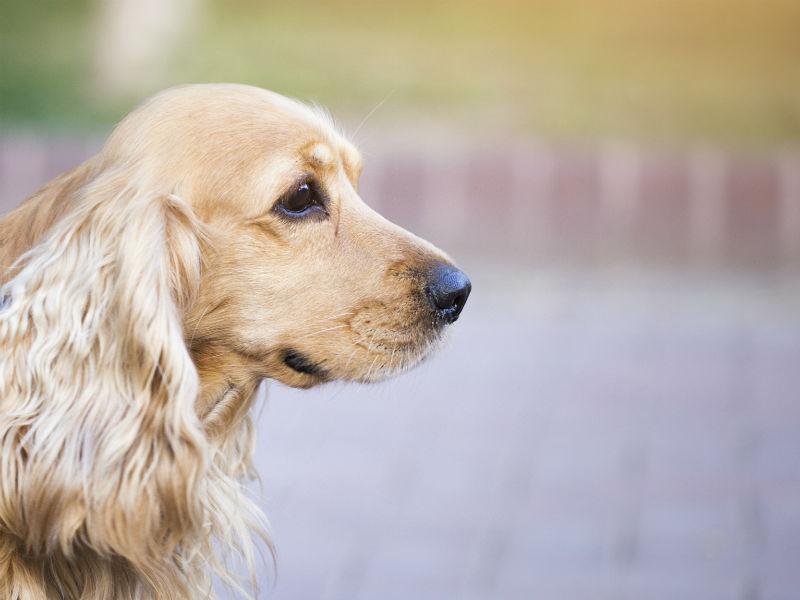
(448, 290)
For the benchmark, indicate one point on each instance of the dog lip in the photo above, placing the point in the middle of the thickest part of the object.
(302, 364)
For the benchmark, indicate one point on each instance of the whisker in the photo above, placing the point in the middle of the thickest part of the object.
(373, 111)
(350, 359)
(339, 316)
(313, 333)
(369, 371)
(197, 325)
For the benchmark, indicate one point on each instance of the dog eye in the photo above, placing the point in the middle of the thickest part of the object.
(300, 200)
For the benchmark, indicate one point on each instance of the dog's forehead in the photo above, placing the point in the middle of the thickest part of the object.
(324, 146)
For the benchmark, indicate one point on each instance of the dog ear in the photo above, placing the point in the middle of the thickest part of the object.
(100, 446)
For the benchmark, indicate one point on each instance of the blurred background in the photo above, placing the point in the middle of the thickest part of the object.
(617, 413)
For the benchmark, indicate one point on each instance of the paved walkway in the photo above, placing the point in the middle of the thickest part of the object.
(582, 436)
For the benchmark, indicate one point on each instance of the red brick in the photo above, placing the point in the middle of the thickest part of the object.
(575, 210)
(661, 222)
(753, 211)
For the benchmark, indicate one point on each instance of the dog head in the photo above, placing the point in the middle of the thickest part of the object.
(216, 240)
(303, 282)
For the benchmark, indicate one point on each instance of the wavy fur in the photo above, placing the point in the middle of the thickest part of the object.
(105, 463)
(146, 295)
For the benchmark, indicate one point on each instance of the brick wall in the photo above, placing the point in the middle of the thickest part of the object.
(539, 202)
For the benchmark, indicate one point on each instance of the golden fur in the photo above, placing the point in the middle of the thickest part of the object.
(145, 295)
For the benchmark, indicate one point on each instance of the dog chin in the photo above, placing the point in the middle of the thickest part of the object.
(398, 364)
(302, 369)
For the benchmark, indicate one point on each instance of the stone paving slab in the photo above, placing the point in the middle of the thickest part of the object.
(583, 435)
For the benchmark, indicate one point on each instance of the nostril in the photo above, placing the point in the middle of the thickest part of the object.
(448, 289)
(460, 298)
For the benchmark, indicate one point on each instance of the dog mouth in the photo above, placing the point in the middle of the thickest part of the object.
(377, 342)
(379, 360)
(301, 363)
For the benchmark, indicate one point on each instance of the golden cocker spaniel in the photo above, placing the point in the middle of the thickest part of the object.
(216, 240)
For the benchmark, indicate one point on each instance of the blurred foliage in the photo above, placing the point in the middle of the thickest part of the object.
(44, 61)
(647, 69)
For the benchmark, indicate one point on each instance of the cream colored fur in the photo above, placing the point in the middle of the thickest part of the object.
(146, 294)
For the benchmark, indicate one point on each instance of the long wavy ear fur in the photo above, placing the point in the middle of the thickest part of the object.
(102, 451)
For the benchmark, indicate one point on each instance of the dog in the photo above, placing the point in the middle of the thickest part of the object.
(218, 239)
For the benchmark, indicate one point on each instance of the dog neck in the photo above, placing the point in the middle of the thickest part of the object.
(228, 385)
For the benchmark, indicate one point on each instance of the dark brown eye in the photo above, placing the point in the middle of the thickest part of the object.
(305, 200)
(300, 200)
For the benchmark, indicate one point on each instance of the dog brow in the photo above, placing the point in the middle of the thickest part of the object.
(352, 162)
(320, 155)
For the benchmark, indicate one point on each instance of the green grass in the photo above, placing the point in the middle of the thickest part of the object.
(717, 70)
